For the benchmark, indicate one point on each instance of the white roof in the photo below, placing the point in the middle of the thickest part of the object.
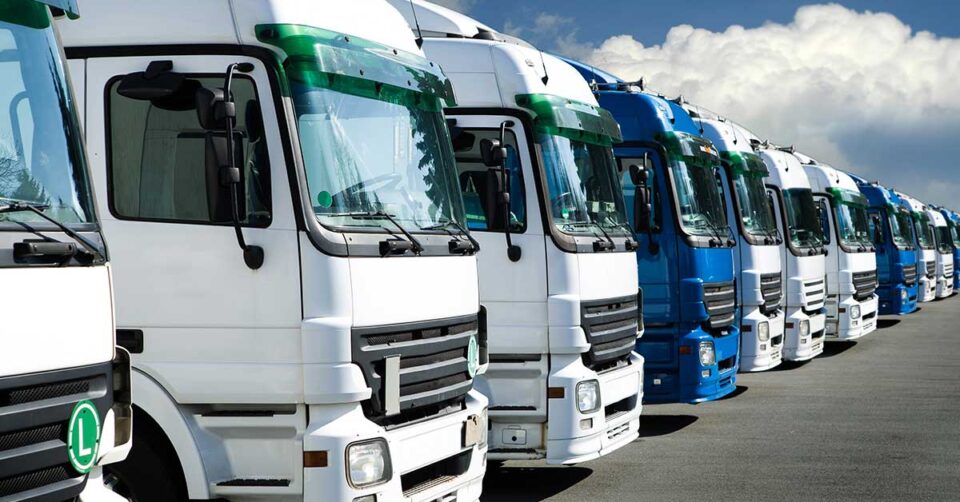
(726, 136)
(436, 20)
(232, 22)
(785, 169)
(823, 176)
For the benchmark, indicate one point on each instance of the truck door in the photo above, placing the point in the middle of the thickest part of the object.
(208, 327)
(780, 218)
(514, 293)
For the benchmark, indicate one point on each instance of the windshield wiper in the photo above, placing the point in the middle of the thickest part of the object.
(387, 246)
(15, 206)
(455, 246)
(599, 244)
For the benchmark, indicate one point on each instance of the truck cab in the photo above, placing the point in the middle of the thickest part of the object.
(757, 255)
(803, 252)
(851, 262)
(291, 269)
(557, 274)
(685, 256)
(926, 245)
(953, 220)
(944, 247)
(65, 408)
(892, 230)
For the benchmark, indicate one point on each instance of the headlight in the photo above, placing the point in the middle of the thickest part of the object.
(588, 396)
(903, 295)
(805, 327)
(763, 331)
(368, 463)
(855, 312)
(708, 356)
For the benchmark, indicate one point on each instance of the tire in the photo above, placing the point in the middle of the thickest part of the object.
(150, 473)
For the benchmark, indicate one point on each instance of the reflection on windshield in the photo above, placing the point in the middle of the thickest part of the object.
(583, 185)
(41, 161)
(900, 227)
(365, 155)
(924, 231)
(693, 164)
(955, 234)
(753, 205)
(803, 219)
(944, 239)
(853, 228)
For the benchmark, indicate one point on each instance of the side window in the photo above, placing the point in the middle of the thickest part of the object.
(158, 156)
(655, 222)
(824, 209)
(874, 219)
(478, 182)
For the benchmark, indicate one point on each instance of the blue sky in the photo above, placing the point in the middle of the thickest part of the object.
(868, 86)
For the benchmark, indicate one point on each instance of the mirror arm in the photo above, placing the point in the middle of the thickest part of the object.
(253, 256)
(513, 252)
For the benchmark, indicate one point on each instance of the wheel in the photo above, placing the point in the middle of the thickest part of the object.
(149, 474)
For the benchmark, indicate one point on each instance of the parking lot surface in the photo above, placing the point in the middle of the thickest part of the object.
(877, 419)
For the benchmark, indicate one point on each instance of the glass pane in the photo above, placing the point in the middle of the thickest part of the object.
(805, 226)
(478, 185)
(41, 156)
(158, 156)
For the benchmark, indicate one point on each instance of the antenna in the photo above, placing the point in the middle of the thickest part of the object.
(546, 77)
(699, 118)
(416, 22)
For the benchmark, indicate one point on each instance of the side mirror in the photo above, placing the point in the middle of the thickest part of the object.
(637, 175)
(157, 82)
(220, 178)
(492, 152)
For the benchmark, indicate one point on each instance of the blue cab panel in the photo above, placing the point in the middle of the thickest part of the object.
(685, 258)
(953, 223)
(896, 252)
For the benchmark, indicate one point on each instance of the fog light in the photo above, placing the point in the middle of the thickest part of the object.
(804, 327)
(855, 312)
(903, 295)
(708, 356)
(369, 463)
(586, 424)
(588, 396)
(705, 373)
(763, 331)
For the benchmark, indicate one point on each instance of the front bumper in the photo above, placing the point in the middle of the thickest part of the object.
(848, 328)
(756, 355)
(681, 378)
(928, 289)
(797, 348)
(893, 302)
(432, 454)
(944, 287)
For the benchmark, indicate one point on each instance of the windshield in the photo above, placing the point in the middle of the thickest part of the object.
(944, 239)
(41, 157)
(955, 235)
(753, 206)
(803, 220)
(583, 184)
(693, 163)
(850, 209)
(924, 230)
(900, 227)
(372, 131)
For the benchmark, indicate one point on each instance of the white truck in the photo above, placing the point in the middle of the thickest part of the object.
(852, 303)
(802, 253)
(332, 356)
(750, 212)
(558, 273)
(926, 242)
(65, 406)
(944, 250)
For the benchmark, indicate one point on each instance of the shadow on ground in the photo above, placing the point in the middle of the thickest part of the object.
(529, 484)
(836, 348)
(736, 392)
(887, 323)
(662, 425)
(788, 366)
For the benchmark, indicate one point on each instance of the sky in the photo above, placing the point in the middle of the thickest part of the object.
(872, 87)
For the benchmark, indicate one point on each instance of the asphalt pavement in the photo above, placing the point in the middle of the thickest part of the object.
(875, 419)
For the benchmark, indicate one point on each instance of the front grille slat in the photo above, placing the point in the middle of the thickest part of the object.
(34, 410)
(434, 374)
(771, 290)
(931, 269)
(864, 283)
(611, 327)
(720, 300)
(910, 274)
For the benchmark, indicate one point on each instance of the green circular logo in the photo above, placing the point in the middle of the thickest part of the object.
(83, 436)
(324, 199)
(473, 356)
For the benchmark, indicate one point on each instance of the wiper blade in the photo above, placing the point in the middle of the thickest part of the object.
(599, 244)
(417, 246)
(446, 224)
(16, 206)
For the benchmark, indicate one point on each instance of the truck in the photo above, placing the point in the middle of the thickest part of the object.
(685, 256)
(892, 231)
(944, 248)
(558, 279)
(757, 255)
(953, 220)
(65, 409)
(926, 246)
(851, 262)
(803, 252)
(293, 276)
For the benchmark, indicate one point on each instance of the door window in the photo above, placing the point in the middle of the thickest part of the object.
(478, 184)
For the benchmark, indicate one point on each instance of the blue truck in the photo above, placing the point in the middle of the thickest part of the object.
(892, 231)
(953, 224)
(685, 254)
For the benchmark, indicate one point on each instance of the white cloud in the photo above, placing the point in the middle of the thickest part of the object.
(551, 32)
(858, 90)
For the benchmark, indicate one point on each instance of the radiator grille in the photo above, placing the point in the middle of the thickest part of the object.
(772, 291)
(611, 326)
(815, 293)
(910, 274)
(931, 269)
(720, 300)
(864, 283)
